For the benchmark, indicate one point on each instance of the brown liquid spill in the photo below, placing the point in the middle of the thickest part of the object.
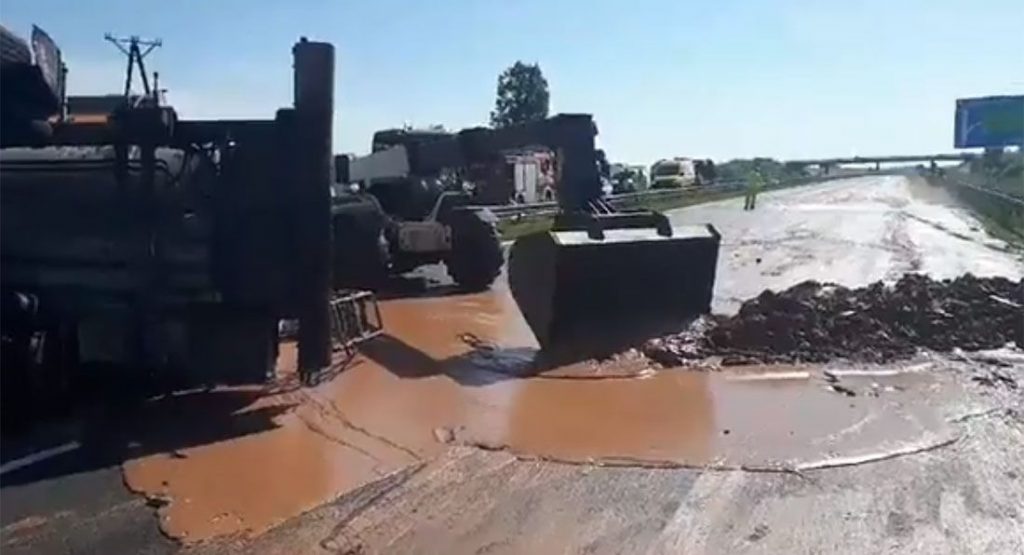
(460, 369)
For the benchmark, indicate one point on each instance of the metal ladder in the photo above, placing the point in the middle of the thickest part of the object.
(355, 318)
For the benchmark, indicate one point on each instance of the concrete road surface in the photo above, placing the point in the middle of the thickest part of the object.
(425, 445)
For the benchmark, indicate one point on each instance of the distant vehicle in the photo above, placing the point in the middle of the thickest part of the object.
(532, 172)
(628, 179)
(673, 174)
(706, 172)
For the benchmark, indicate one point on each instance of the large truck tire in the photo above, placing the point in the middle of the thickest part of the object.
(476, 257)
(360, 253)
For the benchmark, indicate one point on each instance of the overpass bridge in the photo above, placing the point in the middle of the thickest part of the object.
(827, 163)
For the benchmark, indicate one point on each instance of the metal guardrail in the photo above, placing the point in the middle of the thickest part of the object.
(621, 200)
(1006, 197)
(537, 209)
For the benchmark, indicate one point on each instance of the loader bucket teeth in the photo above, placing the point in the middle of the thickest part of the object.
(584, 296)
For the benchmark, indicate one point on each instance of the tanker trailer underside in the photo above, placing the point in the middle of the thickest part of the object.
(123, 280)
(168, 248)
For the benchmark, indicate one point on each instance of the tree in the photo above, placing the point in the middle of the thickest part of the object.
(522, 95)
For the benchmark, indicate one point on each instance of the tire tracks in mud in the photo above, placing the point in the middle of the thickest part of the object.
(330, 411)
(907, 257)
(896, 240)
(339, 540)
(794, 241)
(322, 432)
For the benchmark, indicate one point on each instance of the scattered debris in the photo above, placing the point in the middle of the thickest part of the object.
(760, 531)
(675, 349)
(816, 322)
(444, 435)
(995, 378)
(1003, 357)
(1004, 301)
(997, 411)
(157, 501)
(843, 389)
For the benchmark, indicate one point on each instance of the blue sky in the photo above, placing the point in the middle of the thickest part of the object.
(720, 79)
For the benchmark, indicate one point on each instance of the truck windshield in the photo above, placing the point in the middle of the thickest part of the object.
(671, 168)
(383, 140)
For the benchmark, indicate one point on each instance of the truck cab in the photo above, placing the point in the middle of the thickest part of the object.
(389, 138)
(673, 174)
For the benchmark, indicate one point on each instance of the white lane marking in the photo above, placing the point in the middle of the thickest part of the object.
(769, 376)
(39, 456)
(881, 372)
(705, 516)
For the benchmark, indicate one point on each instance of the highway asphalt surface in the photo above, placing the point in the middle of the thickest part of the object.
(851, 232)
(926, 457)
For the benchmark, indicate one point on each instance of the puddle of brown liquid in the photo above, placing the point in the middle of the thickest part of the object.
(314, 452)
(794, 423)
(783, 417)
(255, 481)
(455, 365)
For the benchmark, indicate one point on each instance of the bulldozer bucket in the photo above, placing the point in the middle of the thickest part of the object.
(587, 294)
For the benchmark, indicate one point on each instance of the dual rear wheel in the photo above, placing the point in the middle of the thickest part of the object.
(476, 257)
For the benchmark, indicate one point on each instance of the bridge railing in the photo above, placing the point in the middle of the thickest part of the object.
(897, 159)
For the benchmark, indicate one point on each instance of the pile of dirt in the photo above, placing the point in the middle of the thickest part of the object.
(816, 322)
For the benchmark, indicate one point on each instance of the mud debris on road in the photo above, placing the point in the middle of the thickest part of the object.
(819, 322)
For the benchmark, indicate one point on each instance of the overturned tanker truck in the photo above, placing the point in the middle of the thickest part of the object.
(143, 243)
(600, 279)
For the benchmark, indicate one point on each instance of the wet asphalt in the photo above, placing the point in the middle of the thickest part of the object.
(473, 479)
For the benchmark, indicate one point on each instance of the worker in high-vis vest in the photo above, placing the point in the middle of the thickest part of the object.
(754, 184)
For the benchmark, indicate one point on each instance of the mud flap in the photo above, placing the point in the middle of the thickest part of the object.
(585, 294)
